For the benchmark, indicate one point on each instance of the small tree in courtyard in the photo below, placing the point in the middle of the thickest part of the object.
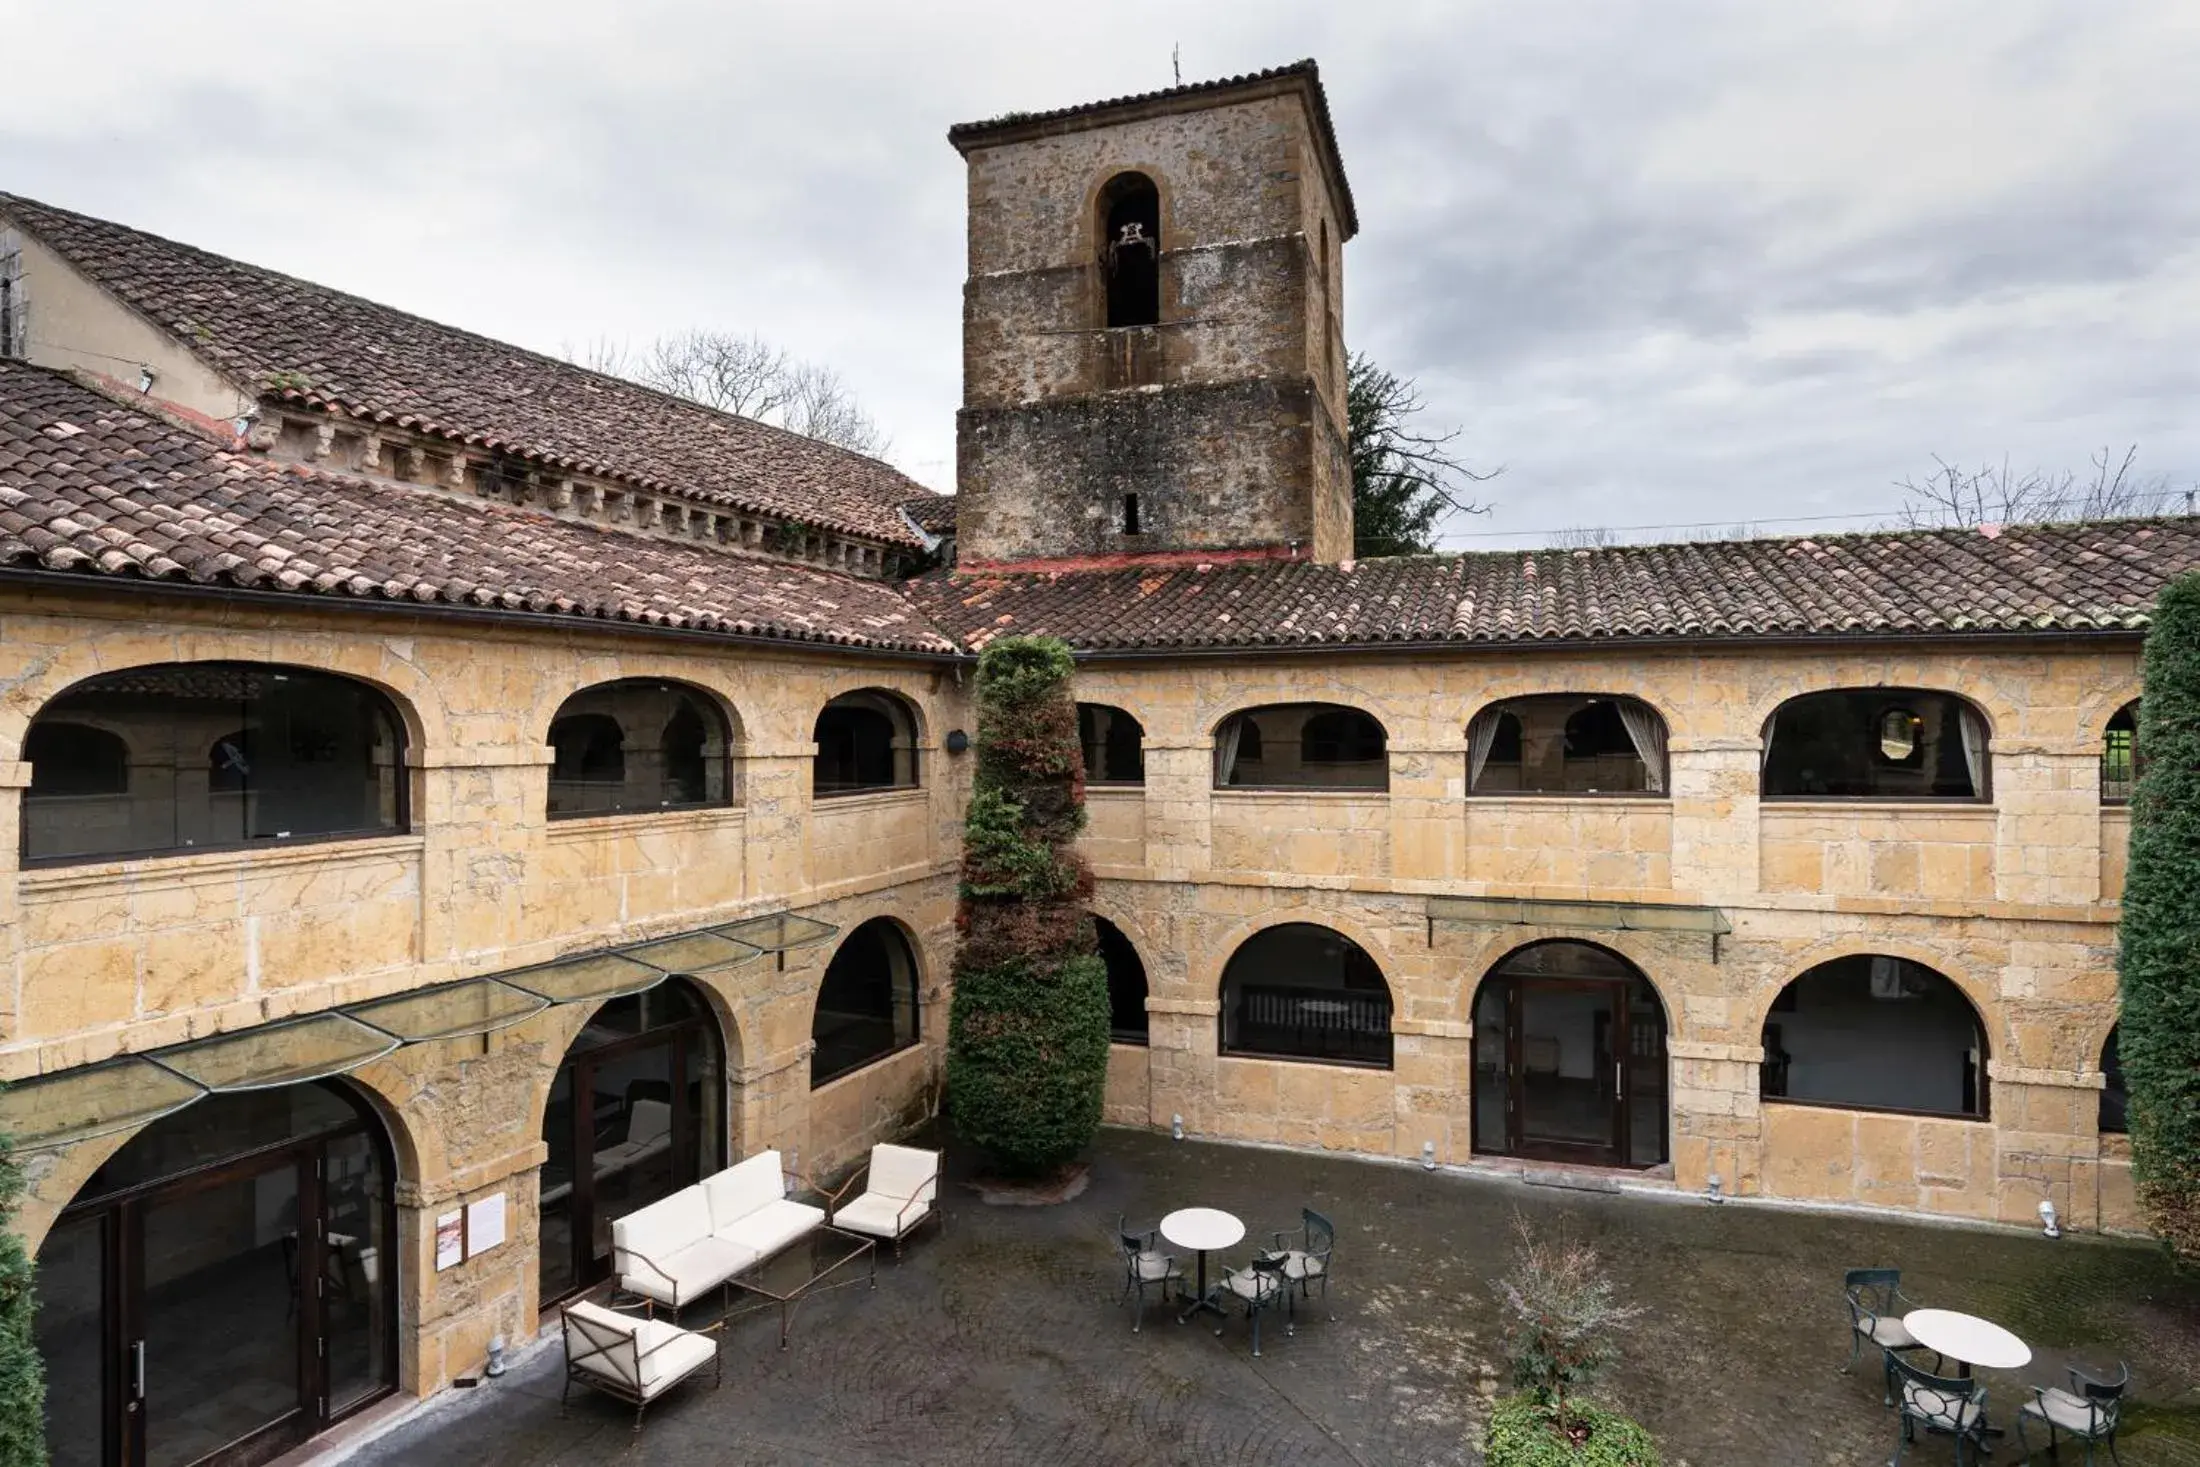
(22, 1376)
(1027, 1036)
(1563, 1323)
(2158, 1033)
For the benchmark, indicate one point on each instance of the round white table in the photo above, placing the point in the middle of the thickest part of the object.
(1967, 1339)
(1202, 1229)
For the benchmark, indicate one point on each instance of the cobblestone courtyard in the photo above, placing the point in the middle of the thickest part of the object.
(996, 1341)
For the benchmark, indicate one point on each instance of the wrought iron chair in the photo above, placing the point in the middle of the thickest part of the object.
(1953, 1404)
(1259, 1287)
(2087, 1412)
(1876, 1306)
(1145, 1267)
(1307, 1264)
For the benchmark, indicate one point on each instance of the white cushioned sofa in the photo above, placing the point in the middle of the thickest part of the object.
(677, 1249)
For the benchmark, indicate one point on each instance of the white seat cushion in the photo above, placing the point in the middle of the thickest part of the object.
(688, 1274)
(878, 1216)
(669, 1354)
(1299, 1264)
(662, 1229)
(773, 1226)
(1248, 1285)
(1956, 1413)
(2068, 1412)
(743, 1188)
(1888, 1333)
(1152, 1265)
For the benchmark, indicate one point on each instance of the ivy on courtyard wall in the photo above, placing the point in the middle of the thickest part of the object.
(1027, 1036)
(22, 1375)
(2158, 963)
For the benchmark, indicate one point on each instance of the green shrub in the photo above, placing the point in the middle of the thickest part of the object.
(2158, 961)
(22, 1373)
(1027, 1035)
(1563, 1317)
(1522, 1433)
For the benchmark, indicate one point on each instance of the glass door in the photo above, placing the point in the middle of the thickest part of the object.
(1568, 1038)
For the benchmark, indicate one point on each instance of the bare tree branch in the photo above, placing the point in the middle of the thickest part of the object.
(1952, 495)
(748, 376)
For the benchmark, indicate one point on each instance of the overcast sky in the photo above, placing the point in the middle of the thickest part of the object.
(1665, 262)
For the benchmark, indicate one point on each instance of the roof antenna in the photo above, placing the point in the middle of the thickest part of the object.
(1176, 61)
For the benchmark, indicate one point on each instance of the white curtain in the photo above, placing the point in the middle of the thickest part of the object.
(1764, 760)
(1647, 732)
(1226, 749)
(1481, 738)
(1974, 750)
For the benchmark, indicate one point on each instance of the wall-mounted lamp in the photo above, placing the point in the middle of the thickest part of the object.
(957, 741)
(146, 378)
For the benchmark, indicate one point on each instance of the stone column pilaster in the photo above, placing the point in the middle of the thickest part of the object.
(1179, 821)
(1714, 784)
(2047, 827)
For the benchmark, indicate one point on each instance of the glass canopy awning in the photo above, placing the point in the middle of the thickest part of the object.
(1591, 916)
(116, 1095)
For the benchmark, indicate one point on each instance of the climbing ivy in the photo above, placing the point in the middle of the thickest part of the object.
(22, 1374)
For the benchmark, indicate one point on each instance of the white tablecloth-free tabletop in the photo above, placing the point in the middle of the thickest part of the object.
(1202, 1229)
(1967, 1338)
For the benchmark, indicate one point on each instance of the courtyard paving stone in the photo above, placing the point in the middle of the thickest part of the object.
(995, 1340)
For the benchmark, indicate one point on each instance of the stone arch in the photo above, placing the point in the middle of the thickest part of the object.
(1984, 996)
(1856, 771)
(596, 669)
(920, 704)
(1306, 999)
(631, 719)
(920, 1031)
(1205, 980)
(1633, 948)
(1853, 1050)
(1509, 950)
(1128, 286)
(1998, 712)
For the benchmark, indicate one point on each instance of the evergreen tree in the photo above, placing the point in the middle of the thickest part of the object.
(2158, 1034)
(22, 1373)
(1403, 480)
(1027, 1036)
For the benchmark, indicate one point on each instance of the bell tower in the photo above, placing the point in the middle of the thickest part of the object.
(1153, 347)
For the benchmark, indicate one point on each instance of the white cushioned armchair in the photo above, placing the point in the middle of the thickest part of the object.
(901, 1193)
(632, 1358)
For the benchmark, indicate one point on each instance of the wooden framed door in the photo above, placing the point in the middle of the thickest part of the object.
(1566, 1041)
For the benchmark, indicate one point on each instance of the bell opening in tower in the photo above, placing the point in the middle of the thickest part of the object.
(1130, 249)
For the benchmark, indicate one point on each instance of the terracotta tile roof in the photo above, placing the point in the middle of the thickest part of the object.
(966, 135)
(91, 488)
(934, 513)
(320, 347)
(2037, 578)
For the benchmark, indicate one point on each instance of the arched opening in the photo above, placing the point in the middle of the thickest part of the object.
(2121, 761)
(866, 740)
(867, 1003)
(1301, 746)
(1876, 744)
(1569, 1058)
(1873, 1032)
(1130, 249)
(1114, 744)
(194, 756)
(1299, 991)
(2115, 1100)
(1567, 744)
(242, 1254)
(637, 1111)
(1126, 983)
(639, 745)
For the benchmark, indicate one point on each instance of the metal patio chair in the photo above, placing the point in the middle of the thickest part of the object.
(1145, 1267)
(1876, 1306)
(1308, 1263)
(1953, 1404)
(1260, 1287)
(2087, 1412)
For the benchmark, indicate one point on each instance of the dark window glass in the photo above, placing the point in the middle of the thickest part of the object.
(2121, 763)
(867, 1005)
(1130, 249)
(1876, 1033)
(1876, 744)
(1301, 991)
(189, 756)
(1301, 746)
(2114, 1098)
(1115, 746)
(865, 741)
(637, 745)
(1567, 744)
(1126, 983)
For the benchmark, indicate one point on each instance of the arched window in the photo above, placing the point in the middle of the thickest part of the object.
(1567, 744)
(1876, 744)
(2121, 762)
(1301, 746)
(639, 745)
(867, 1005)
(75, 759)
(202, 755)
(865, 741)
(1304, 992)
(2115, 1100)
(1126, 984)
(1876, 1033)
(1115, 746)
(1130, 249)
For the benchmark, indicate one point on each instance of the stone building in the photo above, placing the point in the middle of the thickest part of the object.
(456, 797)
